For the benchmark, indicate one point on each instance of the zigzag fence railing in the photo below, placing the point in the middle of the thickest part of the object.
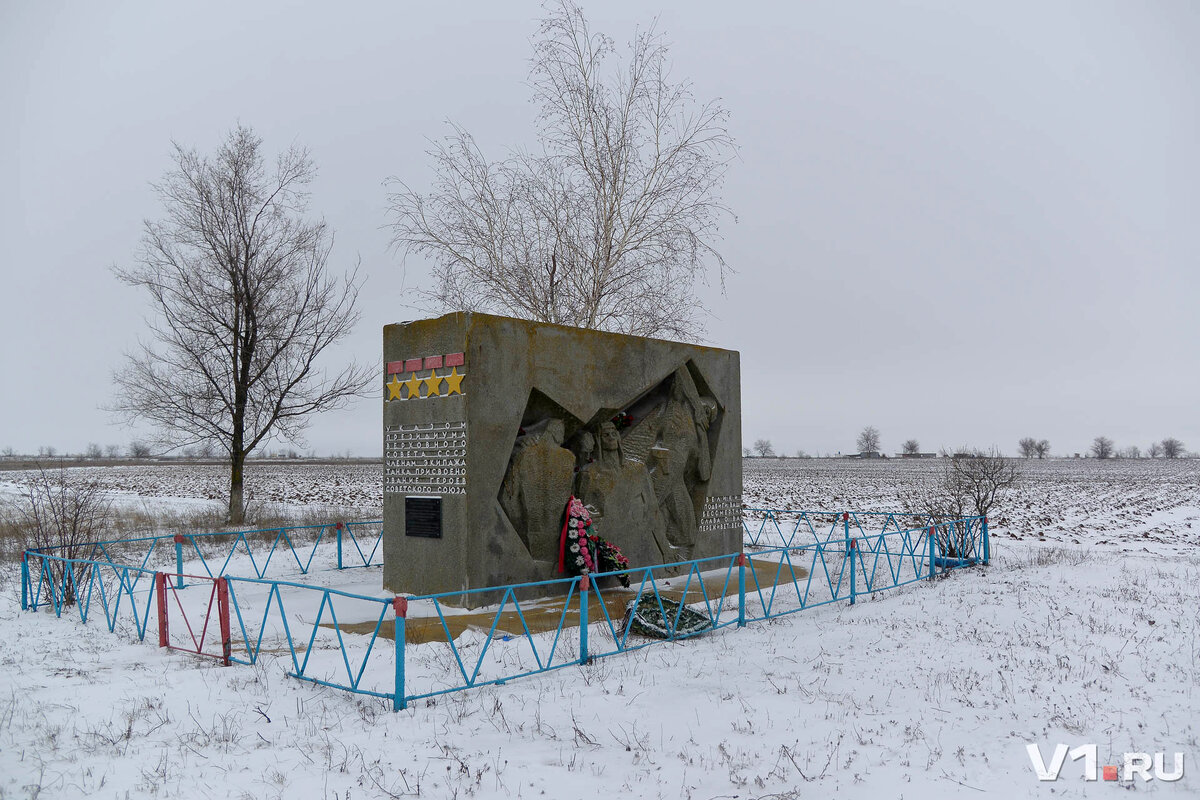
(800, 560)
(127, 575)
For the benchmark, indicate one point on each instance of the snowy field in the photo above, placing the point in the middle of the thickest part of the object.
(1059, 500)
(349, 485)
(1083, 631)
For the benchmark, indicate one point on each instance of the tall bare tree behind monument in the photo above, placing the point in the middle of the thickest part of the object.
(610, 222)
(243, 304)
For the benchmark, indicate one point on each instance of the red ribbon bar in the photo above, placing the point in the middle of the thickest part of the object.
(562, 538)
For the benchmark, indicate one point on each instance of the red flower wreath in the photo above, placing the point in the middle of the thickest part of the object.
(581, 552)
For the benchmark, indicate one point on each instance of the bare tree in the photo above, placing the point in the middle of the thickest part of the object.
(1154, 450)
(983, 479)
(609, 223)
(911, 448)
(1028, 447)
(764, 448)
(1133, 451)
(1172, 448)
(868, 440)
(747, 452)
(972, 483)
(63, 514)
(244, 306)
(1102, 447)
(139, 449)
(1042, 448)
(112, 450)
(93, 451)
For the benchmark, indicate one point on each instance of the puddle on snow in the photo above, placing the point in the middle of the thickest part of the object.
(543, 614)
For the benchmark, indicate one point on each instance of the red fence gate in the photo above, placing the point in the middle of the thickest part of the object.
(197, 605)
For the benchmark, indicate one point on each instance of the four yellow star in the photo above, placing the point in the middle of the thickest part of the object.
(414, 386)
(454, 382)
(393, 387)
(433, 384)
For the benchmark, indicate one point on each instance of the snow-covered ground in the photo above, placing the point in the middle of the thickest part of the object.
(932, 690)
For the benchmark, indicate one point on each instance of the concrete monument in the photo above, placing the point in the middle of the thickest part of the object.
(492, 424)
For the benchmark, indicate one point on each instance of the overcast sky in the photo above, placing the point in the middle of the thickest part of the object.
(959, 222)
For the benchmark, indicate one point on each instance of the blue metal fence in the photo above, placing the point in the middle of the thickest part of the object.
(797, 560)
(355, 544)
(118, 574)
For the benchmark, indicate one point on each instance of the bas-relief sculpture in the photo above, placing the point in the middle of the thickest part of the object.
(500, 421)
(621, 493)
(535, 490)
(648, 504)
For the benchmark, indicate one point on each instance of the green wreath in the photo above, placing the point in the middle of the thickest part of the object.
(645, 617)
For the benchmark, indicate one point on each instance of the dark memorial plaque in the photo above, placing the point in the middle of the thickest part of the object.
(423, 517)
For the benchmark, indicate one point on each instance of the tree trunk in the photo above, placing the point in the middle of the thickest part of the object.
(237, 510)
(241, 382)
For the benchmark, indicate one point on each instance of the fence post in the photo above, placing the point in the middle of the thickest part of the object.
(338, 527)
(179, 540)
(584, 588)
(55, 591)
(741, 562)
(850, 553)
(986, 544)
(25, 580)
(400, 607)
(932, 547)
(160, 594)
(846, 528)
(223, 614)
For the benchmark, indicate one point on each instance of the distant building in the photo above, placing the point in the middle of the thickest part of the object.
(916, 455)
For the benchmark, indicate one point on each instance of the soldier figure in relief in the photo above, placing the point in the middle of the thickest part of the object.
(535, 490)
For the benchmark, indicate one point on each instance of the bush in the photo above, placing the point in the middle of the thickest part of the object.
(59, 514)
(971, 483)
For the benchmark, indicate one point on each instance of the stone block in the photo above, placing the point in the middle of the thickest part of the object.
(491, 424)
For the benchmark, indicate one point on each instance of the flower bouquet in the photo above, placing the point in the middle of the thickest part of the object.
(582, 552)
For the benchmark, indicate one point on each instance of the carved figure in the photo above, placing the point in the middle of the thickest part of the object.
(682, 460)
(623, 496)
(536, 489)
(585, 445)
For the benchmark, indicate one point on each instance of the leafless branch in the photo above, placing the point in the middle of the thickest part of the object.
(243, 307)
(971, 483)
(868, 440)
(60, 514)
(611, 224)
